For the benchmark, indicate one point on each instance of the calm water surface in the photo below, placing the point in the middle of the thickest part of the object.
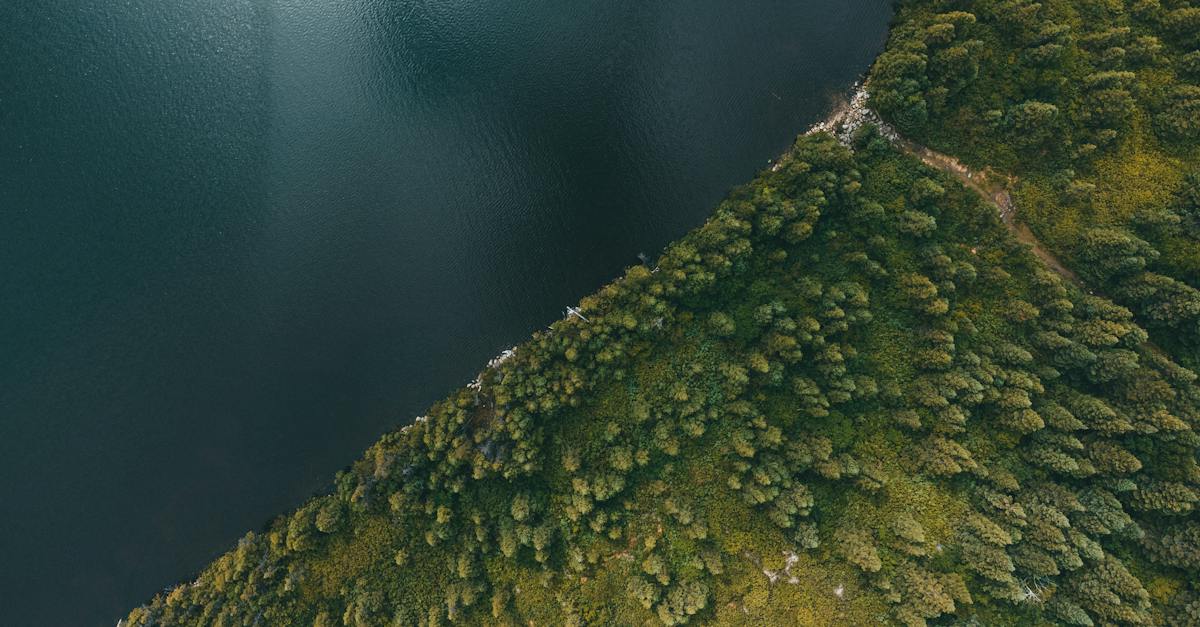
(240, 240)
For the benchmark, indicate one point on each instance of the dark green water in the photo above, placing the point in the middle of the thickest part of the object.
(240, 240)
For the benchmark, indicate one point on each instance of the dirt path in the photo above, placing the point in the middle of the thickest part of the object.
(852, 113)
(986, 183)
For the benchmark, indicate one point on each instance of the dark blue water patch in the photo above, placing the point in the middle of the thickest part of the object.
(240, 240)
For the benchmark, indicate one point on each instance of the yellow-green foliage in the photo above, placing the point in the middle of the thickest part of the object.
(349, 557)
(1136, 178)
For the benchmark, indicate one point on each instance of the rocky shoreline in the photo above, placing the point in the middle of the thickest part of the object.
(850, 115)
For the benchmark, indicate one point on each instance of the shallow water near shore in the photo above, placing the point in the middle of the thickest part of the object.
(241, 240)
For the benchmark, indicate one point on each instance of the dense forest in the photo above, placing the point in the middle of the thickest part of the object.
(1094, 108)
(851, 396)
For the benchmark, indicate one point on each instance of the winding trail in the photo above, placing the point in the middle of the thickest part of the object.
(850, 114)
(986, 184)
